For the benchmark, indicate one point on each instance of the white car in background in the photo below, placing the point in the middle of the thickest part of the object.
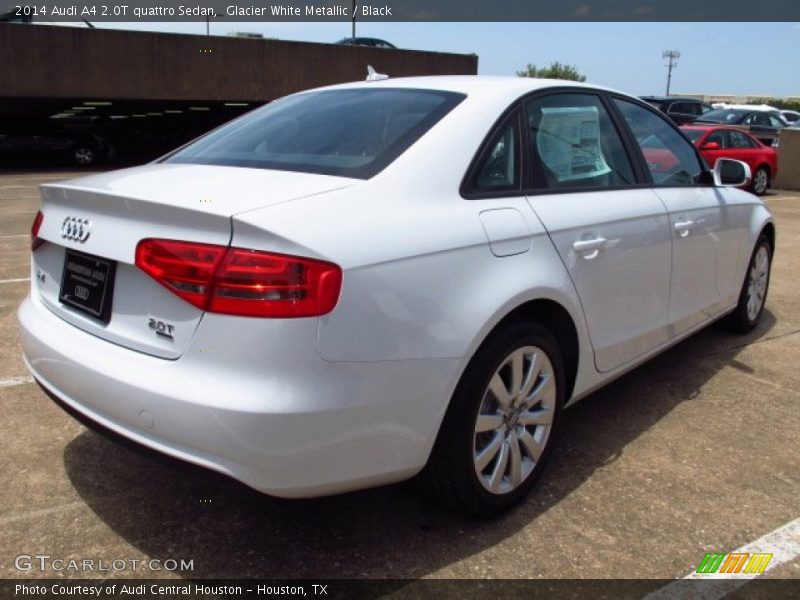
(791, 116)
(355, 284)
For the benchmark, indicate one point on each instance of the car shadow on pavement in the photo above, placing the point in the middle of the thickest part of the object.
(231, 531)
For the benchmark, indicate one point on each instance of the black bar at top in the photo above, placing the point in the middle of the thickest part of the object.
(404, 10)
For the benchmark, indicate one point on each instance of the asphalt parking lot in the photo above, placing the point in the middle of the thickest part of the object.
(696, 451)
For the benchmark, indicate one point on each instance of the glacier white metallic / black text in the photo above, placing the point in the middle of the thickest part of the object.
(357, 284)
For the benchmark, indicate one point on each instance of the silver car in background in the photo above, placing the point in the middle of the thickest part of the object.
(358, 284)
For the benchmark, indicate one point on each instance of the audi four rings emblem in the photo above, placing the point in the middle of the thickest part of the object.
(76, 229)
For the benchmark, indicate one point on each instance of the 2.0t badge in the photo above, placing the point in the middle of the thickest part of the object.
(162, 328)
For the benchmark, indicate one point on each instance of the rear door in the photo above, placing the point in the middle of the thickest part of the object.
(611, 232)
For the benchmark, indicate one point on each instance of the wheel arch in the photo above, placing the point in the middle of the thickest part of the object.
(766, 166)
(760, 223)
(768, 230)
(555, 317)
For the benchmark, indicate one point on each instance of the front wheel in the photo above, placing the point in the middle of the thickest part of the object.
(753, 295)
(499, 428)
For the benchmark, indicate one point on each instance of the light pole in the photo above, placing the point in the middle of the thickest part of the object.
(672, 57)
(208, 22)
(355, 8)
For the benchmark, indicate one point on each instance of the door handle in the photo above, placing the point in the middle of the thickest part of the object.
(682, 228)
(589, 248)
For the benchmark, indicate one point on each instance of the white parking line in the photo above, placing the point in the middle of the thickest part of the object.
(14, 381)
(18, 280)
(783, 543)
(16, 235)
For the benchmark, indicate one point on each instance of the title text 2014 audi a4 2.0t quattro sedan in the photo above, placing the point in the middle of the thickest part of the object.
(353, 285)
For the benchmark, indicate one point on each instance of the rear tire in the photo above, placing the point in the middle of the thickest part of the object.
(84, 156)
(760, 181)
(753, 295)
(499, 428)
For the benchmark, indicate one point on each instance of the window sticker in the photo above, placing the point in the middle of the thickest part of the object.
(568, 141)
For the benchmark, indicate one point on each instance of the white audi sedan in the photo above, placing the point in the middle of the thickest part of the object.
(360, 283)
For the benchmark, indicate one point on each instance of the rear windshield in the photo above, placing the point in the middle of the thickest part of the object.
(724, 115)
(351, 133)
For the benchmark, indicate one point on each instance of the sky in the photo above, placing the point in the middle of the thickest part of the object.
(754, 59)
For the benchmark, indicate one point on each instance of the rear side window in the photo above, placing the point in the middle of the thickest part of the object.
(351, 133)
(741, 140)
(498, 169)
(670, 157)
(574, 144)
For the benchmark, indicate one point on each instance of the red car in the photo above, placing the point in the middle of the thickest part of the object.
(731, 142)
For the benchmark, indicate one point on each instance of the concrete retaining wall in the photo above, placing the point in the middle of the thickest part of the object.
(788, 160)
(68, 62)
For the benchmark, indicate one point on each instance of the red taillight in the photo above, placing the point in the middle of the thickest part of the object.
(186, 269)
(237, 281)
(36, 241)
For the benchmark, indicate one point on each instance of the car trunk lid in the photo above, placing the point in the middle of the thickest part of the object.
(95, 223)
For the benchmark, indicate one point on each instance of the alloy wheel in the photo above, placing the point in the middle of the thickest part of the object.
(514, 419)
(760, 182)
(757, 283)
(84, 156)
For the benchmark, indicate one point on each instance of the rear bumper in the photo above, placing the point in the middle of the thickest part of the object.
(290, 426)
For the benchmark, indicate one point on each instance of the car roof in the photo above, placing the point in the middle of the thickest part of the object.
(710, 126)
(750, 107)
(488, 86)
(670, 99)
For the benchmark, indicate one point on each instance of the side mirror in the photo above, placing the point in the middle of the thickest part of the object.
(731, 173)
(710, 146)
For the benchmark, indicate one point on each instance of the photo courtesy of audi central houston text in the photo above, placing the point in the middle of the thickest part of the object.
(363, 283)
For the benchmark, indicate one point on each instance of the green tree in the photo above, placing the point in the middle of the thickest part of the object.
(555, 71)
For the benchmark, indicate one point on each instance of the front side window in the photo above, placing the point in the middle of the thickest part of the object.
(351, 133)
(670, 157)
(573, 143)
(694, 108)
(757, 119)
(721, 137)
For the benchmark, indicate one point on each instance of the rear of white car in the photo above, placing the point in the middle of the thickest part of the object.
(247, 394)
(162, 311)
